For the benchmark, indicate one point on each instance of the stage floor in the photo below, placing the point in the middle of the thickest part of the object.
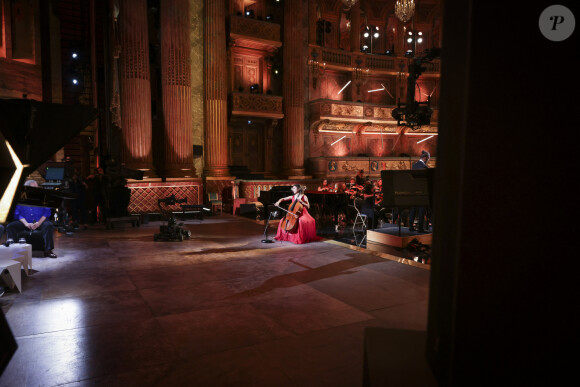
(384, 239)
(117, 308)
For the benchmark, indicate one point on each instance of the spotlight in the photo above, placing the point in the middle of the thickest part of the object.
(75, 81)
(344, 87)
(388, 52)
(366, 34)
(75, 55)
(376, 35)
(268, 17)
(420, 40)
(410, 40)
(365, 47)
(276, 71)
(409, 53)
(250, 13)
(249, 122)
(254, 88)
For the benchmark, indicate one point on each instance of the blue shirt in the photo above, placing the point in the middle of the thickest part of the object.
(31, 214)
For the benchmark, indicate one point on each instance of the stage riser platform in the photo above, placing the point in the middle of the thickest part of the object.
(390, 237)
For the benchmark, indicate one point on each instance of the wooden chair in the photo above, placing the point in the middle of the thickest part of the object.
(215, 202)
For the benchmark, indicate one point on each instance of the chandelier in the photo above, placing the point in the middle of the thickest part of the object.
(404, 10)
(349, 3)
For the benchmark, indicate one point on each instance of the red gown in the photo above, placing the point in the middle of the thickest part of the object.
(304, 232)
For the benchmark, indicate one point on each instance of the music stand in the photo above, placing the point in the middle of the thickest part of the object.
(274, 214)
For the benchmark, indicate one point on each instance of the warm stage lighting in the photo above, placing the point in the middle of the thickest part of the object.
(337, 140)
(344, 87)
(8, 195)
(425, 139)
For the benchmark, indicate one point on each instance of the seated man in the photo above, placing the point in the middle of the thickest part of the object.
(33, 218)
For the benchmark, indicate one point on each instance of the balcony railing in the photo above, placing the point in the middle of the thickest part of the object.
(257, 30)
(256, 105)
(347, 60)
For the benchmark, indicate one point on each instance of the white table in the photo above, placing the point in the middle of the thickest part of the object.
(13, 269)
(18, 252)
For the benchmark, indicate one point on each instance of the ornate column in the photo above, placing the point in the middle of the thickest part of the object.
(135, 85)
(293, 91)
(215, 93)
(355, 27)
(176, 87)
(312, 19)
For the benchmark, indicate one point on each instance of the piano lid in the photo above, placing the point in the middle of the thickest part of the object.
(34, 131)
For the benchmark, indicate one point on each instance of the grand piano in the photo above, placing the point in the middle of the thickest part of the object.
(326, 207)
(268, 198)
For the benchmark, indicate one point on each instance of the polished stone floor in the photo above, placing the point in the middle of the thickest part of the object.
(118, 309)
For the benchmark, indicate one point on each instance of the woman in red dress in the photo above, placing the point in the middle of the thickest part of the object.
(305, 230)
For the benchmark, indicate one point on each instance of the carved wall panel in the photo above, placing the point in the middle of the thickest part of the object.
(144, 196)
(257, 105)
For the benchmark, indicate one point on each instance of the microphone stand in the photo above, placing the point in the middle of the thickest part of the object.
(274, 213)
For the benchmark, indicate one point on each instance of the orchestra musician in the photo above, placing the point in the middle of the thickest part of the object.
(360, 179)
(368, 204)
(380, 209)
(305, 230)
(353, 188)
(340, 188)
(325, 187)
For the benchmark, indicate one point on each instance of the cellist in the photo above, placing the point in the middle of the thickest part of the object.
(305, 229)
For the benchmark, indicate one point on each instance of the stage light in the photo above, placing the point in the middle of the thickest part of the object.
(268, 17)
(249, 122)
(366, 34)
(75, 81)
(420, 40)
(75, 55)
(337, 140)
(425, 139)
(250, 13)
(344, 87)
(372, 91)
(410, 40)
(254, 88)
(8, 195)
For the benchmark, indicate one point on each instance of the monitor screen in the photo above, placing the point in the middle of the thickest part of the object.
(54, 173)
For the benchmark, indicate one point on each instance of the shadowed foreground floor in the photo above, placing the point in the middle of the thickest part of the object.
(118, 309)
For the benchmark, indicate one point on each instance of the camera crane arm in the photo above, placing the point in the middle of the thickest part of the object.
(413, 114)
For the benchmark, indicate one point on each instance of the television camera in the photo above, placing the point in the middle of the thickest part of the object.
(172, 231)
(415, 114)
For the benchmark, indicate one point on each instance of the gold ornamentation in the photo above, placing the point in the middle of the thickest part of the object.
(404, 10)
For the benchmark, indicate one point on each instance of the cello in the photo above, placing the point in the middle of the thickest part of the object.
(290, 221)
